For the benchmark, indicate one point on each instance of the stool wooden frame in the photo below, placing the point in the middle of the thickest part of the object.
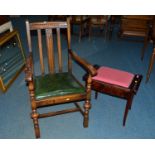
(118, 91)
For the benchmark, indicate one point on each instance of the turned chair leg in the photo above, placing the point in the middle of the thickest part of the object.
(35, 116)
(87, 106)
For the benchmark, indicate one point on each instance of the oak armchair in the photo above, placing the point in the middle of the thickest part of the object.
(55, 86)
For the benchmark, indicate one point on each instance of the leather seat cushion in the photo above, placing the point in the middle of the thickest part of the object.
(58, 84)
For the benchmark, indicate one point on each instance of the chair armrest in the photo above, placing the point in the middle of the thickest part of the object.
(83, 63)
(29, 69)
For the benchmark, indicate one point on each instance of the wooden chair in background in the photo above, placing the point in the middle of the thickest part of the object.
(100, 21)
(136, 26)
(82, 21)
(54, 87)
(152, 58)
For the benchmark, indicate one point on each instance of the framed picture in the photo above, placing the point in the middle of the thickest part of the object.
(12, 58)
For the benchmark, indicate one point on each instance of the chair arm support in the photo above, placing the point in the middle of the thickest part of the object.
(83, 63)
(29, 69)
(28, 76)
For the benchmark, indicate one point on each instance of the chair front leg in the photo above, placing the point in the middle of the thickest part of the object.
(87, 104)
(86, 113)
(35, 116)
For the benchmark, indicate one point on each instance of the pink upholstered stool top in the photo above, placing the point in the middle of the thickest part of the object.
(114, 76)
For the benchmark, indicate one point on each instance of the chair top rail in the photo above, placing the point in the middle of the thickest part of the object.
(47, 25)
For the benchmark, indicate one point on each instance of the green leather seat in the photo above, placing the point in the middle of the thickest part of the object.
(56, 85)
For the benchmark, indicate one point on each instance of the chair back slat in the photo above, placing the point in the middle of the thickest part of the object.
(50, 49)
(68, 33)
(40, 51)
(49, 32)
(69, 44)
(59, 50)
